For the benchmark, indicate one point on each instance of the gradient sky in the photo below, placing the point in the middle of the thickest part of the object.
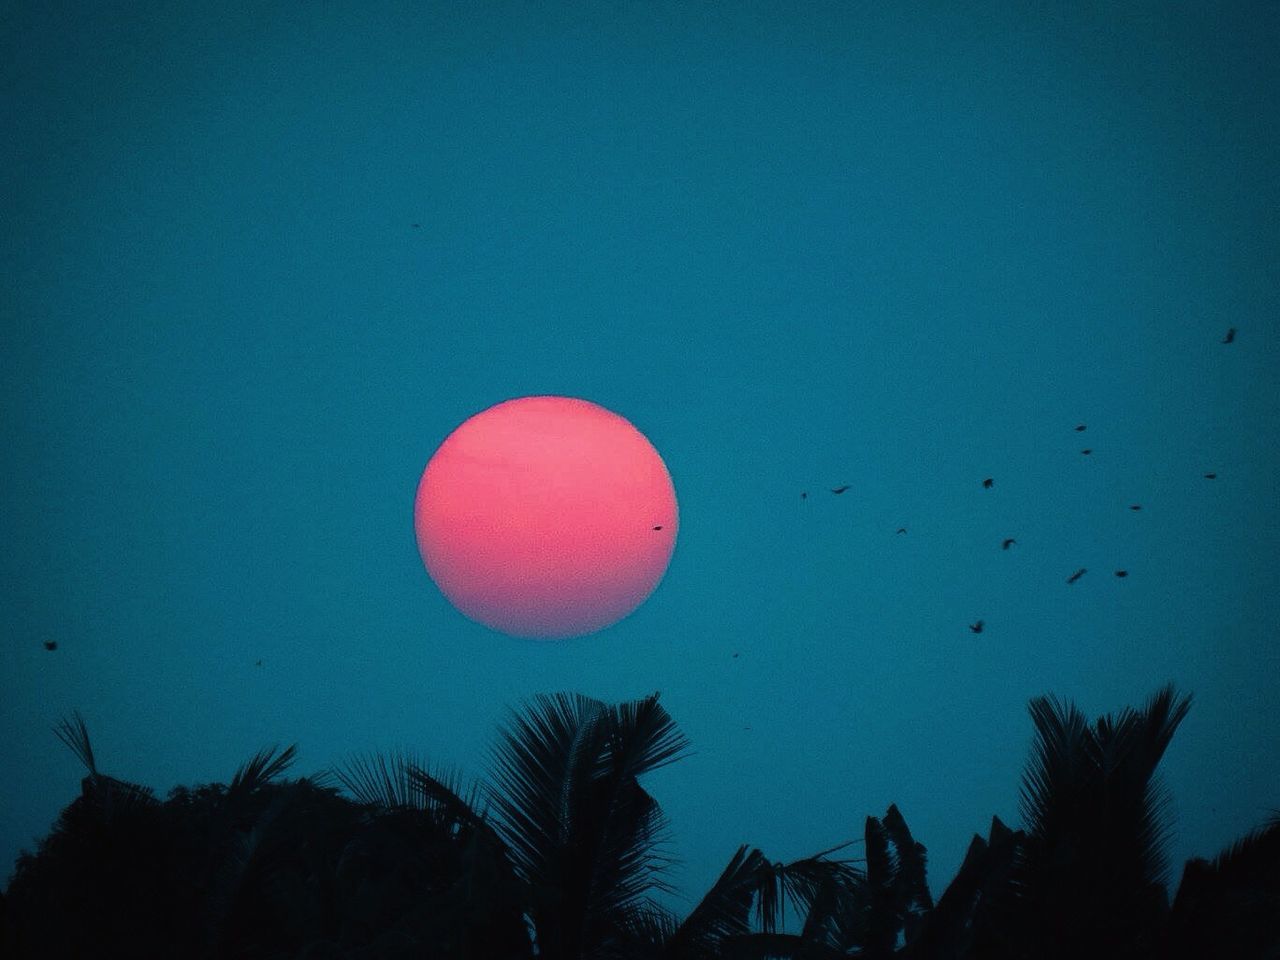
(903, 247)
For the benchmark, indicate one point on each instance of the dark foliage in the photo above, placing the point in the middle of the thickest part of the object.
(563, 862)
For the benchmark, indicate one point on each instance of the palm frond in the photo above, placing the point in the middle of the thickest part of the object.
(648, 930)
(912, 877)
(975, 894)
(1228, 906)
(579, 828)
(381, 780)
(911, 883)
(108, 795)
(534, 766)
(265, 766)
(1097, 824)
(883, 918)
(1255, 856)
(724, 910)
(443, 794)
(645, 737)
(76, 737)
(1054, 774)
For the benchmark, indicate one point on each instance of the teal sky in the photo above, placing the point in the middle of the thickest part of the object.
(902, 247)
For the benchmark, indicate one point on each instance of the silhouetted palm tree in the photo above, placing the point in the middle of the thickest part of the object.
(582, 833)
(1089, 876)
(427, 869)
(971, 917)
(113, 837)
(412, 865)
(1228, 907)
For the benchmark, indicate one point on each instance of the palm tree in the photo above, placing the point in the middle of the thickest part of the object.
(427, 869)
(558, 857)
(1228, 907)
(970, 917)
(582, 834)
(109, 862)
(1089, 876)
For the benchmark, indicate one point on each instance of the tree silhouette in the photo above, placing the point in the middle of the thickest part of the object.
(1089, 876)
(1228, 907)
(558, 856)
(581, 831)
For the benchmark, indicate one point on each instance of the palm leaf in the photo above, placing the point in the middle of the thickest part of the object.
(1228, 906)
(911, 884)
(883, 917)
(380, 780)
(581, 830)
(645, 737)
(532, 779)
(1052, 778)
(723, 911)
(106, 794)
(76, 737)
(442, 794)
(265, 766)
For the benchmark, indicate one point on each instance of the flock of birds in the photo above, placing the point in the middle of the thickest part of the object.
(989, 482)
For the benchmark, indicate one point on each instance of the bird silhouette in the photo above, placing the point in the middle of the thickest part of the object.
(257, 663)
(735, 656)
(658, 527)
(1135, 506)
(1077, 575)
(1087, 450)
(1080, 428)
(1231, 335)
(840, 489)
(976, 627)
(415, 225)
(987, 483)
(1122, 573)
(804, 495)
(1007, 543)
(1211, 476)
(51, 644)
(902, 530)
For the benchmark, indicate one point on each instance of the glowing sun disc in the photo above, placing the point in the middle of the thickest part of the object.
(546, 517)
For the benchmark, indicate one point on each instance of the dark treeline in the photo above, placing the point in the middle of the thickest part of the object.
(559, 853)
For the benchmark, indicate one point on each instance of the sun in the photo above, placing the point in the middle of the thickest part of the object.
(546, 517)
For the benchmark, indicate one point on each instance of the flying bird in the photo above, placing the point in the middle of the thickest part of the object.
(1211, 476)
(1007, 543)
(1086, 451)
(1135, 506)
(902, 530)
(51, 644)
(257, 663)
(1077, 575)
(658, 527)
(735, 656)
(804, 495)
(1080, 428)
(976, 627)
(840, 489)
(1231, 335)
(987, 483)
(415, 225)
(1122, 573)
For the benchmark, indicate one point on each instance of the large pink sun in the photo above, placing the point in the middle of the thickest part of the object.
(546, 517)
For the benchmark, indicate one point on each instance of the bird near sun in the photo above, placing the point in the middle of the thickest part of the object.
(546, 517)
